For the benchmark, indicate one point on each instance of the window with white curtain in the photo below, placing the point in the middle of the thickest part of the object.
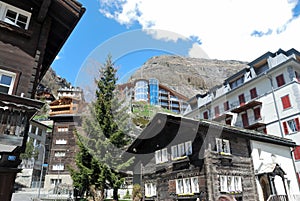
(161, 156)
(14, 16)
(223, 146)
(187, 185)
(230, 183)
(182, 149)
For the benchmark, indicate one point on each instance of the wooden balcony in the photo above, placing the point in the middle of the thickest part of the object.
(15, 113)
(238, 107)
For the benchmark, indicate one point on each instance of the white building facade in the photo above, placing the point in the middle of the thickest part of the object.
(264, 96)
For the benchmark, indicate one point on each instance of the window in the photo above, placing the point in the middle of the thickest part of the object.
(60, 154)
(7, 80)
(62, 129)
(256, 112)
(15, 16)
(205, 115)
(226, 106)
(58, 167)
(286, 102)
(242, 99)
(245, 119)
(280, 80)
(230, 184)
(181, 150)
(253, 93)
(291, 126)
(161, 156)
(223, 184)
(217, 111)
(223, 146)
(55, 181)
(187, 186)
(150, 189)
(195, 184)
(228, 121)
(61, 141)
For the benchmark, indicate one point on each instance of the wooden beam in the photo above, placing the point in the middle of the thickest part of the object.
(43, 10)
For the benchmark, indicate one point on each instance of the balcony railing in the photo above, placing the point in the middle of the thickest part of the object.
(238, 107)
(252, 123)
(15, 113)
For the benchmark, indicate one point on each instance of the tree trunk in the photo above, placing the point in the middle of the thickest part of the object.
(115, 194)
(95, 195)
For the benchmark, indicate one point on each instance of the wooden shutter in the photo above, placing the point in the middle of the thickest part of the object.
(217, 111)
(253, 93)
(205, 115)
(280, 80)
(297, 124)
(245, 120)
(226, 106)
(297, 153)
(242, 99)
(285, 128)
(286, 102)
(257, 113)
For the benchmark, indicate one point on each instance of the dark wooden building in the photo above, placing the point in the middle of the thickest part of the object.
(179, 158)
(66, 115)
(32, 34)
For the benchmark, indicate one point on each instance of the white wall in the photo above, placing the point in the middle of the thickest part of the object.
(261, 154)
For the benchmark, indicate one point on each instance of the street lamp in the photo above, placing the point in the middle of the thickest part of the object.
(42, 168)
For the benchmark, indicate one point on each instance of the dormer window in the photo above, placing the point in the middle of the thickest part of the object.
(7, 80)
(13, 15)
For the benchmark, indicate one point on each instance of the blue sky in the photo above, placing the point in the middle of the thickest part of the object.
(134, 30)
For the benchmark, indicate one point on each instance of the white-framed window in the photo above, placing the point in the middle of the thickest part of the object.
(60, 154)
(179, 186)
(61, 129)
(15, 16)
(150, 189)
(61, 141)
(195, 184)
(181, 150)
(7, 80)
(55, 181)
(161, 156)
(292, 125)
(187, 185)
(238, 184)
(58, 167)
(230, 183)
(223, 146)
(223, 184)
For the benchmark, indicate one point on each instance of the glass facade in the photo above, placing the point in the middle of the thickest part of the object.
(141, 91)
(154, 89)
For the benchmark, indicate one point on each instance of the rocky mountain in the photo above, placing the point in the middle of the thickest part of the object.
(188, 76)
(53, 81)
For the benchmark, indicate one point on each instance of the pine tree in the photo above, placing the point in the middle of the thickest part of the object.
(104, 138)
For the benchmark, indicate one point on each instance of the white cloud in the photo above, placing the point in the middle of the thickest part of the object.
(223, 26)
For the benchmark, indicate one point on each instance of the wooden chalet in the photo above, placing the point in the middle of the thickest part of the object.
(32, 34)
(178, 158)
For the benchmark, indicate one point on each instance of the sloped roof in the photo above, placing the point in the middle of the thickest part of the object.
(169, 127)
